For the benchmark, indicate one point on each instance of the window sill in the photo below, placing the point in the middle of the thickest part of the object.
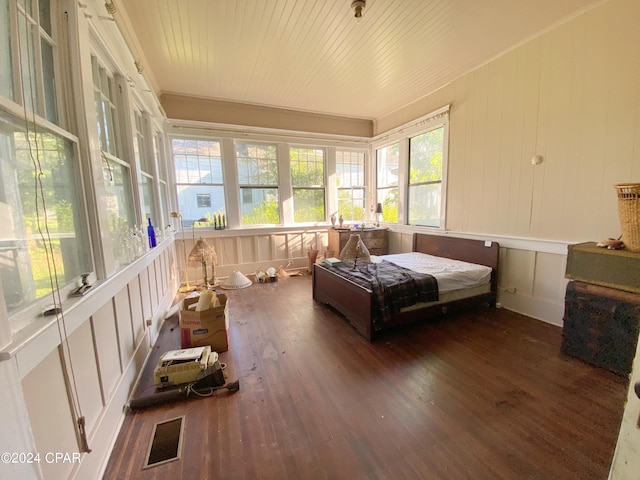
(35, 341)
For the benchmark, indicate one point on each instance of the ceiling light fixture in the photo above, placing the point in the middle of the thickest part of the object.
(358, 7)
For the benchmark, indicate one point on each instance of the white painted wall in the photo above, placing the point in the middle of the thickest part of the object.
(571, 95)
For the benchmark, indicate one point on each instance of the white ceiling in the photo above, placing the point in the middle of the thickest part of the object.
(313, 55)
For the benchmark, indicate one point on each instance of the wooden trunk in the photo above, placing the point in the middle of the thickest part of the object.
(601, 326)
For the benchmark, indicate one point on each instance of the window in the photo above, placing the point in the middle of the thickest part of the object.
(116, 172)
(307, 180)
(388, 162)
(417, 156)
(163, 220)
(258, 174)
(350, 182)
(145, 162)
(198, 168)
(6, 66)
(426, 154)
(203, 200)
(43, 239)
(118, 205)
(33, 64)
(43, 231)
(277, 182)
(104, 91)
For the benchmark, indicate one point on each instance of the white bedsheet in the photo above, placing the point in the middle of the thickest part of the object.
(450, 274)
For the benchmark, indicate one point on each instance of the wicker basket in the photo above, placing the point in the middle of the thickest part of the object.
(629, 213)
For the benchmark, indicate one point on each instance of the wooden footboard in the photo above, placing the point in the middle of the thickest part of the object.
(351, 300)
(356, 302)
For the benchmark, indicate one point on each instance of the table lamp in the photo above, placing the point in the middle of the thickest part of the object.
(378, 213)
(203, 253)
(354, 252)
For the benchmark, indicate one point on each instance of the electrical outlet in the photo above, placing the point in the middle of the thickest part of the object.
(510, 289)
(149, 322)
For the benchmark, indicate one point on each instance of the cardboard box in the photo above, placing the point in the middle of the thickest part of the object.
(209, 327)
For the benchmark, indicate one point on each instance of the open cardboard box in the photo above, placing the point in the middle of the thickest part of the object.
(209, 327)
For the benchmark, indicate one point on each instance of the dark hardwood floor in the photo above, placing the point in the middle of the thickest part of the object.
(482, 395)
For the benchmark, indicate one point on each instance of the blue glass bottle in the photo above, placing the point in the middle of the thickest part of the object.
(151, 233)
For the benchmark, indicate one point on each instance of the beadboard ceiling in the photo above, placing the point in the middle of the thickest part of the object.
(314, 56)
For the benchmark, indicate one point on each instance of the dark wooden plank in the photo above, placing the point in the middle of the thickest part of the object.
(483, 394)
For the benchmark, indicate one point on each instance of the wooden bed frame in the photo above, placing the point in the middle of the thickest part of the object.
(356, 302)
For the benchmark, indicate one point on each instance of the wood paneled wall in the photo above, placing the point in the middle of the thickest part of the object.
(249, 251)
(570, 95)
(110, 332)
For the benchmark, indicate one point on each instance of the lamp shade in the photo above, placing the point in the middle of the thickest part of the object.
(355, 252)
(203, 253)
(379, 208)
(236, 281)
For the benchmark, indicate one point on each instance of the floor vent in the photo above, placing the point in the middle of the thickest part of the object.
(166, 442)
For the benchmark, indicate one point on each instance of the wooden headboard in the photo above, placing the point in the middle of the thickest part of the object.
(467, 250)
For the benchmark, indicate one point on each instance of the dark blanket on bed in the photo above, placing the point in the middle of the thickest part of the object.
(393, 287)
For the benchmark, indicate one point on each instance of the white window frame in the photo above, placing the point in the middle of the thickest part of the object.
(321, 187)
(401, 134)
(353, 187)
(52, 87)
(117, 153)
(223, 184)
(282, 174)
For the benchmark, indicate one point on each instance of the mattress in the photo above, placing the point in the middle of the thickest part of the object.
(453, 296)
(451, 274)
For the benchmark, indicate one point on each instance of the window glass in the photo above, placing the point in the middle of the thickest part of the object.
(387, 164)
(426, 154)
(148, 206)
(48, 75)
(44, 232)
(118, 203)
(163, 219)
(258, 181)
(164, 214)
(106, 109)
(203, 199)
(350, 182)
(6, 67)
(307, 179)
(138, 144)
(116, 172)
(33, 33)
(143, 155)
(198, 171)
(44, 8)
(28, 63)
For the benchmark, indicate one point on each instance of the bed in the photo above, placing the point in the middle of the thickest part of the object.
(358, 303)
